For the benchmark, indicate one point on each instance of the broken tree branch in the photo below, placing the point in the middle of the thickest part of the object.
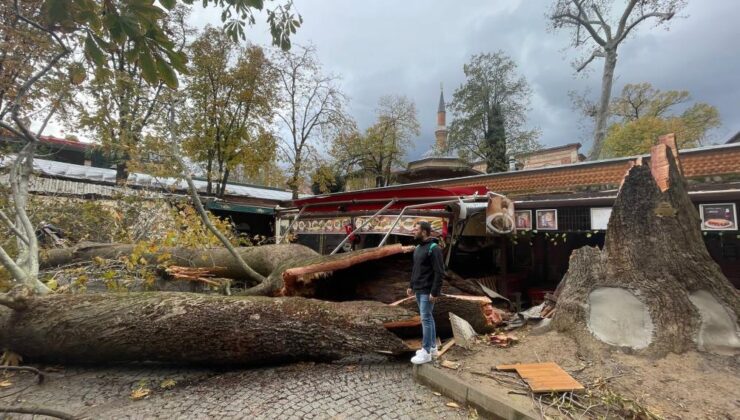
(199, 205)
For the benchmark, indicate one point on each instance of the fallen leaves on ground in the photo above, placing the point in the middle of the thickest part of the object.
(140, 393)
(5, 384)
(168, 383)
(453, 405)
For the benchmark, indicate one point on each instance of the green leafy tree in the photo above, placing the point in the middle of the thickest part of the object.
(127, 96)
(490, 110)
(94, 27)
(21, 52)
(600, 28)
(643, 113)
(326, 179)
(232, 97)
(268, 174)
(383, 146)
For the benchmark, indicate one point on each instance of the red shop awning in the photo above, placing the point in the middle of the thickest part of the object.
(377, 198)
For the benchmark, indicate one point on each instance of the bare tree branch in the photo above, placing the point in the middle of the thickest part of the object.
(607, 28)
(594, 55)
(9, 223)
(625, 17)
(663, 17)
(11, 129)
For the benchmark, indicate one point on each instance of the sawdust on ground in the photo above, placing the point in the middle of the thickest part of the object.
(692, 385)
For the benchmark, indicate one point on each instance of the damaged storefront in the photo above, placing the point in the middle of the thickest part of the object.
(555, 211)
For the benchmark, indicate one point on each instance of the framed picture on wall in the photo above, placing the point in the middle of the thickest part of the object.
(600, 217)
(547, 219)
(721, 216)
(523, 219)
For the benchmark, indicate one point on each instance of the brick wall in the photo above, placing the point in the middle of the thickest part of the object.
(697, 164)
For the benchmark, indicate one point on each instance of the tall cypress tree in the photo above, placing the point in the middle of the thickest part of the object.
(496, 141)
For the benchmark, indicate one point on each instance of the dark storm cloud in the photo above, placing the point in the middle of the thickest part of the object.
(408, 47)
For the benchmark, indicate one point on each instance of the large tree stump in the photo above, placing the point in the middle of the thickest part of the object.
(192, 328)
(654, 288)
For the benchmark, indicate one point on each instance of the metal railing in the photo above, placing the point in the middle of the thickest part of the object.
(436, 203)
(362, 226)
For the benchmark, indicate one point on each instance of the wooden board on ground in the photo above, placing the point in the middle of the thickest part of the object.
(544, 377)
(448, 345)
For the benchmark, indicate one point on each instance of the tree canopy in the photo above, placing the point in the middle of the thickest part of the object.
(383, 146)
(231, 98)
(490, 112)
(643, 113)
(96, 28)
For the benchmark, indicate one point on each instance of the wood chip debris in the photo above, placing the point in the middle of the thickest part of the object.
(450, 364)
(503, 340)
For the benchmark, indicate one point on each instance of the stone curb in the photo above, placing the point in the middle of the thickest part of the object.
(488, 406)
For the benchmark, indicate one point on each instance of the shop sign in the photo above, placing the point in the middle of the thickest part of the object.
(722, 216)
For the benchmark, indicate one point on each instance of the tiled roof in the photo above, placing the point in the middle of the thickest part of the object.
(697, 163)
(52, 168)
(703, 163)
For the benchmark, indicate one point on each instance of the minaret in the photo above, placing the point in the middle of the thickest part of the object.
(441, 132)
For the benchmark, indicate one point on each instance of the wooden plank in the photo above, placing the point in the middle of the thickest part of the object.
(448, 345)
(544, 377)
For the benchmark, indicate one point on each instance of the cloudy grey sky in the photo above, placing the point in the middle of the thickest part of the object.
(408, 47)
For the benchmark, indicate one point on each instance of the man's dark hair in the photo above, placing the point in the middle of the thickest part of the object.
(426, 227)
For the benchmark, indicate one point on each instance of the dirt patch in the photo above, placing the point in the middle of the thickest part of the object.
(692, 385)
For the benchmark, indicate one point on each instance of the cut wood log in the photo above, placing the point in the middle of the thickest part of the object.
(654, 288)
(386, 280)
(296, 278)
(192, 328)
(477, 310)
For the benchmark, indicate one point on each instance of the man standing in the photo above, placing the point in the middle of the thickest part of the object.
(426, 284)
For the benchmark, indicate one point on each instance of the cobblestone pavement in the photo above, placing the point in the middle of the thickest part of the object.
(301, 391)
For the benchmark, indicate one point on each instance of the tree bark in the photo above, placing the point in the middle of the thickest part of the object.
(192, 328)
(654, 288)
(287, 269)
(477, 310)
(262, 259)
(602, 116)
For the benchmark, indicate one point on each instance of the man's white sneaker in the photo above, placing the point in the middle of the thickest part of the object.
(421, 358)
(434, 352)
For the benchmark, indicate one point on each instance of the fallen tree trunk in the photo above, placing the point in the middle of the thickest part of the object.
(386, 280)
(654, 288)
(192, 328)
(289, 269)
(263, 259)
(477, 310)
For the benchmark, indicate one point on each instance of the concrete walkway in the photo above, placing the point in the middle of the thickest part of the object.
(489, 401)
